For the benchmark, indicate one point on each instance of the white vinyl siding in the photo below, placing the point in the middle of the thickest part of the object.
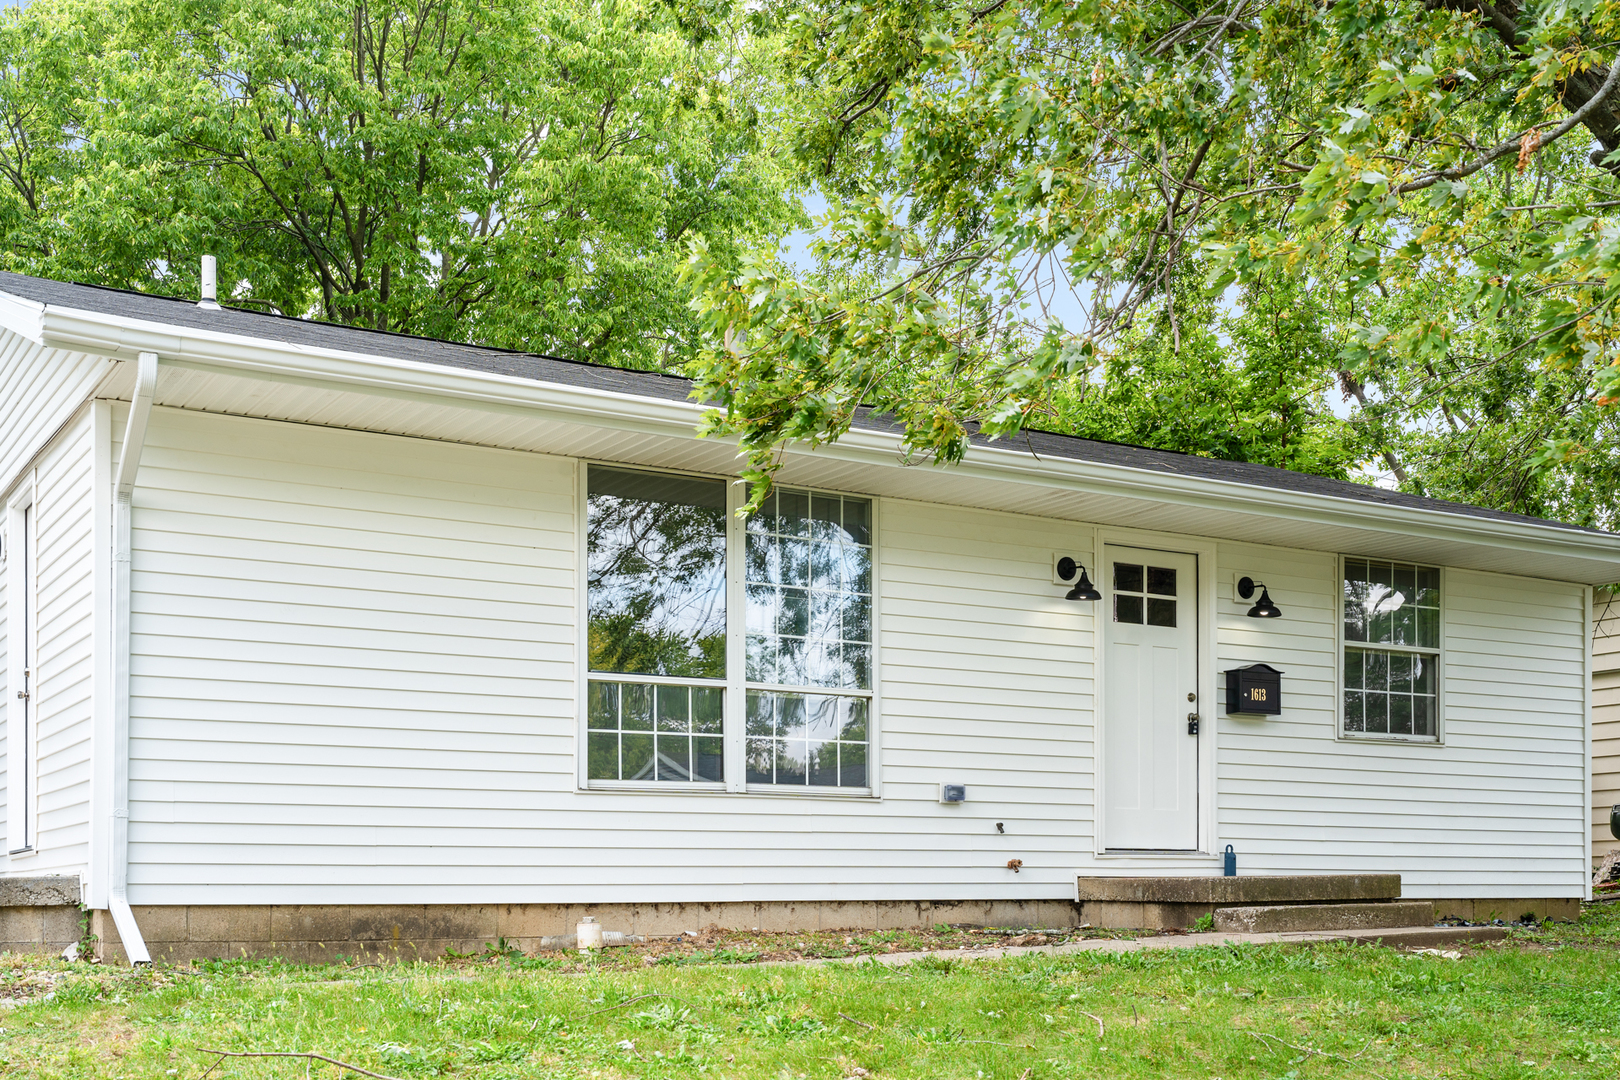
(63, 656)
(1487, 814)
(11, 660)
(352, 661)
(354, 682)
(41, 389)
(1605, 720)
(66, 651)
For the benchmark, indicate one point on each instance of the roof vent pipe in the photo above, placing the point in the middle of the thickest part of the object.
(210, 286)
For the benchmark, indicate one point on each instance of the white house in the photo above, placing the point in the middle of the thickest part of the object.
(321, 639)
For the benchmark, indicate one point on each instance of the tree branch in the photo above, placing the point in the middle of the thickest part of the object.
(1580, 89)
(1511, 146)
(223, 1054)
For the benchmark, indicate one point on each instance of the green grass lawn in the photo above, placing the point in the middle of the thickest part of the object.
(1545, 1003)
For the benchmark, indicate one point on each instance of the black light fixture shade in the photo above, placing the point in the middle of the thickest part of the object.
(1083, 589)
(1263, 607)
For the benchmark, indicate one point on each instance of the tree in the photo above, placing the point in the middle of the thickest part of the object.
(520, 173)
(1245, 385)
(1437, 177)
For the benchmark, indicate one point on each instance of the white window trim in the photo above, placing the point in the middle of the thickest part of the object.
(735, 714)
(22, 716)
(1440, 654)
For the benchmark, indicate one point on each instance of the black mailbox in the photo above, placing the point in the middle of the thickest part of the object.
(1254, 689)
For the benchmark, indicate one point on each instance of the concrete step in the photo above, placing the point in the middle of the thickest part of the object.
(1232, 891)
(1288, 918)
(1421, 937)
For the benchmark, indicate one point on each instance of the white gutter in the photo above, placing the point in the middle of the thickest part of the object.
(129, 463)
(232, 354)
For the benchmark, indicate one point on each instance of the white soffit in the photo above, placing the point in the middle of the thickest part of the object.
(272, 380)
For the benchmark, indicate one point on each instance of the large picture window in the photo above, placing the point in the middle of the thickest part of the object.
(1391, 650)
(772, 691)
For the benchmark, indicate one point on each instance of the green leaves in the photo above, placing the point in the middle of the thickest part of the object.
(522, 173)
(1054, 174)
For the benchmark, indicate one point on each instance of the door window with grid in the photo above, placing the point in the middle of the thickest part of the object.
(1391, 650)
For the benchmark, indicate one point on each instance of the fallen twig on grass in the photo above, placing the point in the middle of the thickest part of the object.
(223, 1054)
(1307, 1050)
(860, 1023)
(1099, 1023)
(620, 1005)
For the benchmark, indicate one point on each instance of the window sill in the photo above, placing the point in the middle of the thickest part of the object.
(1145, 855)
(680, 787)
(1396, 740)
(806, 791)
(665, 787)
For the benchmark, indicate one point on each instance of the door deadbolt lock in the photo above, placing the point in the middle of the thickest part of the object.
(1192, 723)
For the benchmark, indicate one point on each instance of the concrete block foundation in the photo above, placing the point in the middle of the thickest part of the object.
(40, 914)
(1509, 910)
(1232, 891)
(34, 929)
(324, 933)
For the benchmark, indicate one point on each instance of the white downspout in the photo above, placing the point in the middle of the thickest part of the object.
(129, 463)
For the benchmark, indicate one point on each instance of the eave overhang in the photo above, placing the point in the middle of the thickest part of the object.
(1212, 507)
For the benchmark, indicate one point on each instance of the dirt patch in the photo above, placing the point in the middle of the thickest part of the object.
(22, 985)
(715, 945)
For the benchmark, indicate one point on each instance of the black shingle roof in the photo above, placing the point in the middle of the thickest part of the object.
(551, 369)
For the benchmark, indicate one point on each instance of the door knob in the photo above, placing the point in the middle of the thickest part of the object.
(1192, 723)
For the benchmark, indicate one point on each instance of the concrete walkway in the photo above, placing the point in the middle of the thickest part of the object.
(1412, 937)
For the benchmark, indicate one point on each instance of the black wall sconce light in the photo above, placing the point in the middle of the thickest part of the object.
(1083, 589)
(1263, 607)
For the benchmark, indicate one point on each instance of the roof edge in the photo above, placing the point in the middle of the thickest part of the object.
(230, 353)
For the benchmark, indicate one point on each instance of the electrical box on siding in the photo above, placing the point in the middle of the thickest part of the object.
(1254, 690)
(952, 793)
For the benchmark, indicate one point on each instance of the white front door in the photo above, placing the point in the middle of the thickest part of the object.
(1150, 686)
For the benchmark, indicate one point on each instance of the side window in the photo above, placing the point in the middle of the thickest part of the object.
(1391, 650)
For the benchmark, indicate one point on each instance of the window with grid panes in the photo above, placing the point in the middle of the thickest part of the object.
(808, 569)
(658, 627)
(1391, 650)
